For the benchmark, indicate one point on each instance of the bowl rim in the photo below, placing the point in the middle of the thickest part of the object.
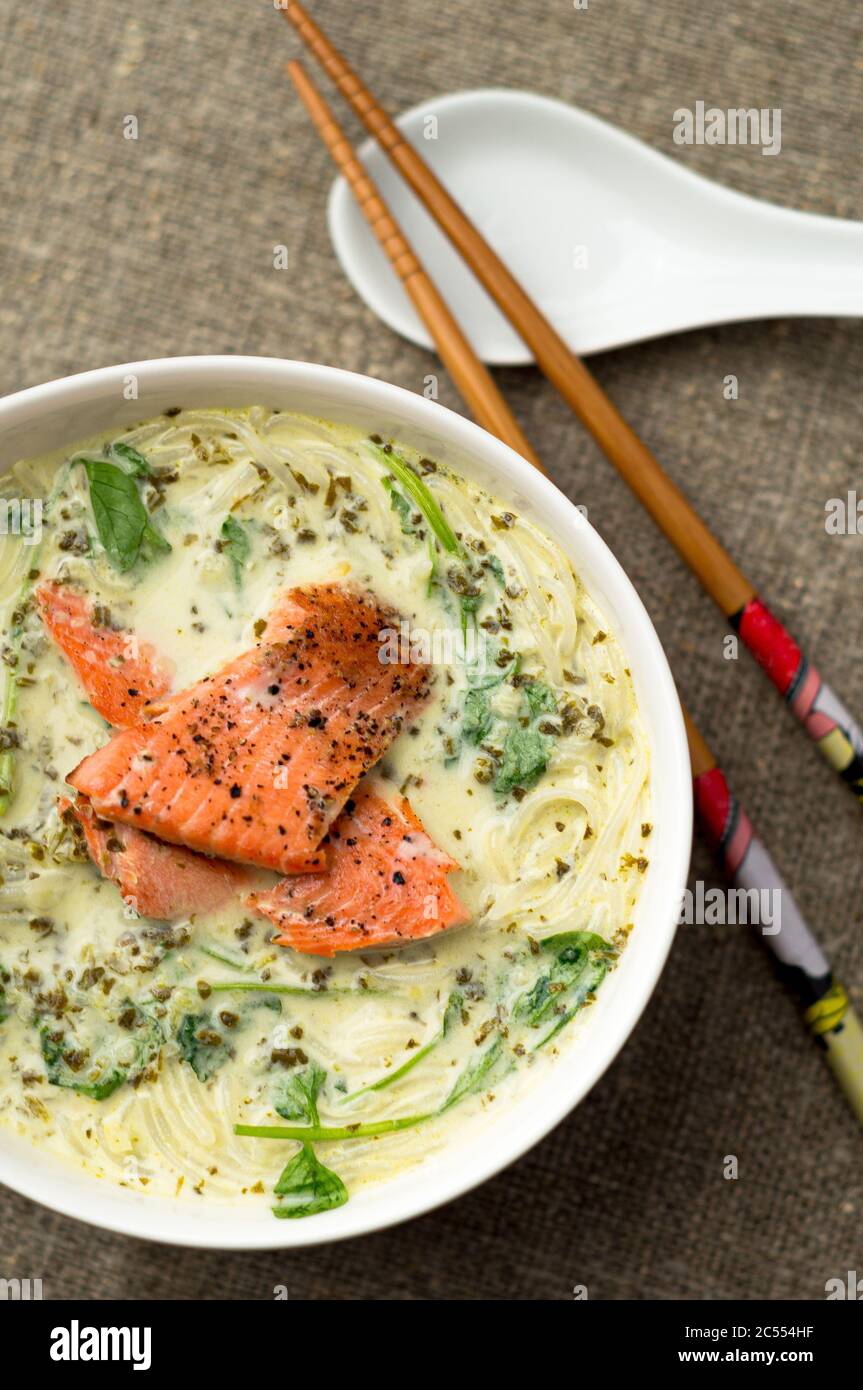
(416, 1192)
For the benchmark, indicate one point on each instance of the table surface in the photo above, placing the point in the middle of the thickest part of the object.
(113, 249)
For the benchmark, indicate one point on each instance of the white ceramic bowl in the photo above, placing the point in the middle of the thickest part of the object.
(63, 412)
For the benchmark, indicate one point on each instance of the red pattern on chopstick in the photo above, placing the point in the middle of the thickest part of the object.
(824, 717)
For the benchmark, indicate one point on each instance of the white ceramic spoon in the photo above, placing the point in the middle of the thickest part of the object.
(615, 242)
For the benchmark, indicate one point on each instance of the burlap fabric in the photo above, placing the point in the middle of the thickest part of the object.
(114, 249)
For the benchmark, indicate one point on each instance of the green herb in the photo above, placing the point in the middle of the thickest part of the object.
(470, 1081)
(581, 963)
(295, 1097)
(568, 945)
(525, 758)
(477, 718)
(236, 545)
(306, 1187)
(540, 699)
(325, 1133)
(98, 1069)
(206, 1046)
(400, 504)
(416, 488)
(452, 1014)
(469, 596)
(202, 1045)
(493, 564)
(5, 1008)
(222, 956)
(124, 456)
(129, 459)
(475, 1075)
(122, 520)
(254, 986)
(433, 567)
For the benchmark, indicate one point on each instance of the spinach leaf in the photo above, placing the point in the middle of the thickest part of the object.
(540, 699)
(525, 758)
(477, 717)
(97, 1065)
(400, 504)
(5, 1007)
(587, 982)
(494, 564)
(567, 945)
(475, 1075)
(234, 542)
(295, 1097)
(581, 963)
(63, 1072)
(122, 520)
(202, 1045)
(306, 1187)
(129, 459)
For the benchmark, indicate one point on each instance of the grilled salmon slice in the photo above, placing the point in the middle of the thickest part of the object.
(254, 763)
(119, 673)
(157, 880)
(386, 884)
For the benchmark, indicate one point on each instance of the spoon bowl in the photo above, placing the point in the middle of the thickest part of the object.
(615, 242)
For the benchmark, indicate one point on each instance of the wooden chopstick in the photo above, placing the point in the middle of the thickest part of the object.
(827, 1009)
(480, 394)
(835, 732)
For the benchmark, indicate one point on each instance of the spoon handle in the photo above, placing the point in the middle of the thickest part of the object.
(765, 261)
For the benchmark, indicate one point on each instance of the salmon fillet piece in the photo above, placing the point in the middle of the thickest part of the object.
(386, 884)
(157, 880)
(119, 673)
(254, 763)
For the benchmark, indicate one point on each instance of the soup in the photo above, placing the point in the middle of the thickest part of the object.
(223, 975)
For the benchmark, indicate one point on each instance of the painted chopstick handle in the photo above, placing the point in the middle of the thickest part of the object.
(826, 1008)
(844, 1051)
(828, 723)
